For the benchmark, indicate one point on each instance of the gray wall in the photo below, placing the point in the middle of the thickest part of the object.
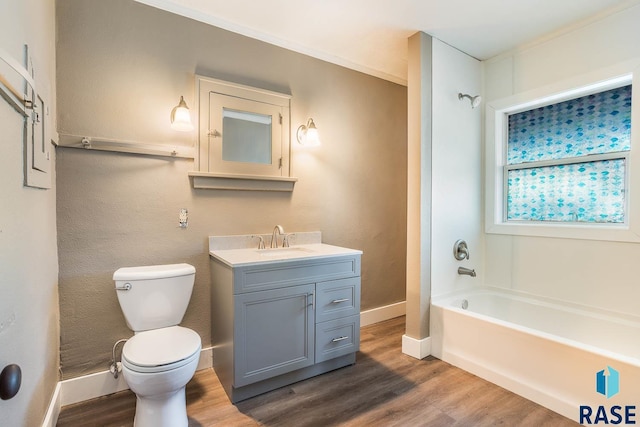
(121, 68)
(28, 258)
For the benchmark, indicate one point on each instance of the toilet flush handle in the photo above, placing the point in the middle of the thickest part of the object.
(125, 287)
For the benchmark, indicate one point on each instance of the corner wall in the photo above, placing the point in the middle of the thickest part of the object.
(419, 161)
(589, 272)
(444, 190)
(29, 323)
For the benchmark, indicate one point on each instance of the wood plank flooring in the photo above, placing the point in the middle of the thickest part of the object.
(384, 388)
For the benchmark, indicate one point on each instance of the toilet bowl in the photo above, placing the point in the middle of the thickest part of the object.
(161, 358)
(157, 365)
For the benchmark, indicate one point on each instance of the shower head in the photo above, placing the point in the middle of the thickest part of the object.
(475, 100)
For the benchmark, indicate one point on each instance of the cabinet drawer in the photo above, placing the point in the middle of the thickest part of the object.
(274, 275)
(337, 337)
(337, 298)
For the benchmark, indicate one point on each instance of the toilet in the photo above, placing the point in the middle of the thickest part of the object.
(161, 358)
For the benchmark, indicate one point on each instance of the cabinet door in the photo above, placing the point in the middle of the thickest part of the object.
(250, 136)
(274, 333)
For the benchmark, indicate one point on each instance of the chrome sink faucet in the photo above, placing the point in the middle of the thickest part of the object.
(274, 238)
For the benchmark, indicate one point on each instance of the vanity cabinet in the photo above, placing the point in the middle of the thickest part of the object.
(278, 322)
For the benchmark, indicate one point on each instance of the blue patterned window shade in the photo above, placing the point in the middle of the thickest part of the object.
(566, 161)
(578, 192)
(593, 124)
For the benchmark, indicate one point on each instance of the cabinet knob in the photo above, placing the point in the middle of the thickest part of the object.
(10, 380)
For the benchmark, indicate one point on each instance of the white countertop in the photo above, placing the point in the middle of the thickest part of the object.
(248, 256)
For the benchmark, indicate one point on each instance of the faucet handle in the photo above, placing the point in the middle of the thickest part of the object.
(260, 242)
(460, 250)
(287, 239)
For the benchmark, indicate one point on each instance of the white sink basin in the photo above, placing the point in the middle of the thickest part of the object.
(283, 252)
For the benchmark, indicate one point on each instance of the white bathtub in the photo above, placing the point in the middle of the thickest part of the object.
(542, 349)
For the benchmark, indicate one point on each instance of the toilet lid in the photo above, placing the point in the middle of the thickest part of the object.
(161, 346)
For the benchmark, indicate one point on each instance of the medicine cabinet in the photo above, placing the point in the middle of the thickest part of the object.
(243, 137)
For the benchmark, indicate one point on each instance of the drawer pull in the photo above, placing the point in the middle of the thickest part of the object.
(338, 301)
(313, 301)
(339, 339)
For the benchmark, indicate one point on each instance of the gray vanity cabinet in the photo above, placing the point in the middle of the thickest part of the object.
(276, 323)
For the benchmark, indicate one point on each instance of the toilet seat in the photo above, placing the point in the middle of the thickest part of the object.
(160, 350)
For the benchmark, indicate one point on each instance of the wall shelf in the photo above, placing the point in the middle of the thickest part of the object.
(216, 181)
(107, 144)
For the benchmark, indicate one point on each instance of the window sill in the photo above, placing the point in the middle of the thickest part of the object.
(605, 232)
(216, 181)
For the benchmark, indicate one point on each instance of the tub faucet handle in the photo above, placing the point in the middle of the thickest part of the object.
(460, 250)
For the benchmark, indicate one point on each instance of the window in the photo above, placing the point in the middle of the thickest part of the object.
(560, 161)
(566, 161)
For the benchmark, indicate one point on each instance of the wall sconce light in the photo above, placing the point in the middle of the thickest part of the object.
(180, 117)
(308, 135)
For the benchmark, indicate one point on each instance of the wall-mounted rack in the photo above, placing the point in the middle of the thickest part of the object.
(33, 105)
(18, 99)
(110, 144)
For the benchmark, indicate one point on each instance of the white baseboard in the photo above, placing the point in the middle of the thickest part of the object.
(380, 314)
(91, 386)
(416, 348)
(99, 384)
(53, 412)
(206, 359)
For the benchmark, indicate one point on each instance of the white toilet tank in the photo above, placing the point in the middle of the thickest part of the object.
(154, 296)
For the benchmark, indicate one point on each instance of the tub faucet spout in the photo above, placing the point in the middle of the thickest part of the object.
(274, 238)
(466, 271)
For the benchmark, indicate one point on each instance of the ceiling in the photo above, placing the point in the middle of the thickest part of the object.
(371, 35)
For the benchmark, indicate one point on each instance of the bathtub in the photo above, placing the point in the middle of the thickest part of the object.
(545, 350)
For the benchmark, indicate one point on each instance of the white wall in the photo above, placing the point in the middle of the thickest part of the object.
(28, 253)
(596, 273)
(456, 206)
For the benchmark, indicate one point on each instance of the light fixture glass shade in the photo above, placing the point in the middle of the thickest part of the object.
(308, 135)
(181, 118)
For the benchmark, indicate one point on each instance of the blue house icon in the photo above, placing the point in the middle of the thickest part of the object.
(608, 382)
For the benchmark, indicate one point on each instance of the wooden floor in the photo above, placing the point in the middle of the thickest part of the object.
(383, 388)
